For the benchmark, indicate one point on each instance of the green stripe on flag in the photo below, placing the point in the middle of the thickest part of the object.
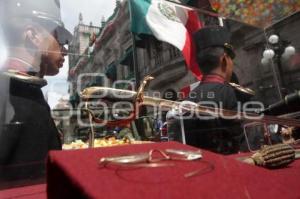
(138, 10)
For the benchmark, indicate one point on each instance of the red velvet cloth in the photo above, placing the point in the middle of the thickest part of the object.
(27, 192)
(76, 174)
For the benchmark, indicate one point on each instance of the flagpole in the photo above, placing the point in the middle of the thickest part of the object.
(134, 54)
(135, 63)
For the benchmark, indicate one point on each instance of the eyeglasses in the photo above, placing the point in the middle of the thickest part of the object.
(168, 154)
(154, 158)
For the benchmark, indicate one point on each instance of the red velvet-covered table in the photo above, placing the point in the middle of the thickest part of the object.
(76, 174)
(26, 192)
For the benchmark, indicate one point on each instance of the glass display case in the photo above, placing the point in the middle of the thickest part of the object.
(74, 76)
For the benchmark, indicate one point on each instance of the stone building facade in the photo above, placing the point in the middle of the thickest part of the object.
(112, 54)
(81, 39)
(263, 79)
(111, 57)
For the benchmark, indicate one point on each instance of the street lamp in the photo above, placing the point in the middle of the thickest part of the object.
(277, 49)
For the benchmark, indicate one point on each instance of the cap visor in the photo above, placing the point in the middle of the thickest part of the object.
(63, 35)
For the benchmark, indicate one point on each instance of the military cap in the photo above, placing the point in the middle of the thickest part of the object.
(213, 36)
(47, 12)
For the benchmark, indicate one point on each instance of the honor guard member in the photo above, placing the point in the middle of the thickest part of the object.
(215, 58)
(34, 36)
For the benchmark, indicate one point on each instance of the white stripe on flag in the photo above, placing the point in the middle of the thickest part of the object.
(194, 85)
(167, 22)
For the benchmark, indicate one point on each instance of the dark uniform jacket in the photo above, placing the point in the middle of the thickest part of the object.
(26, 139)
(215, 134)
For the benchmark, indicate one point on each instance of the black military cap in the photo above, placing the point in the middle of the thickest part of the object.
(47, 12)
(213, 36)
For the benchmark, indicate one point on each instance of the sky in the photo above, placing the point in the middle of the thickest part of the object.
(92, 11)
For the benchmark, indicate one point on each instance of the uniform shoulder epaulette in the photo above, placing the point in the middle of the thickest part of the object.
(241, 89)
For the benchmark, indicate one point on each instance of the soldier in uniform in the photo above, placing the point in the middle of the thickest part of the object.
(34, 36)
(215, 58)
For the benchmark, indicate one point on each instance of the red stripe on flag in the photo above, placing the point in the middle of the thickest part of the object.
(193, 24)
(185, 91)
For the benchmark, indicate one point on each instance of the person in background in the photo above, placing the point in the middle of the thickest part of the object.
(35, 37)
(215, 58)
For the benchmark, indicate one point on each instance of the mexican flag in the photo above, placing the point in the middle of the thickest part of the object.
(168, 22)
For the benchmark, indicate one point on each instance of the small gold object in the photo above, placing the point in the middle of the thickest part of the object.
(242, 89)
(227, 45)
(140, 91)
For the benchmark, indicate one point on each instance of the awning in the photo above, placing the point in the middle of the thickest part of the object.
(111, 72)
